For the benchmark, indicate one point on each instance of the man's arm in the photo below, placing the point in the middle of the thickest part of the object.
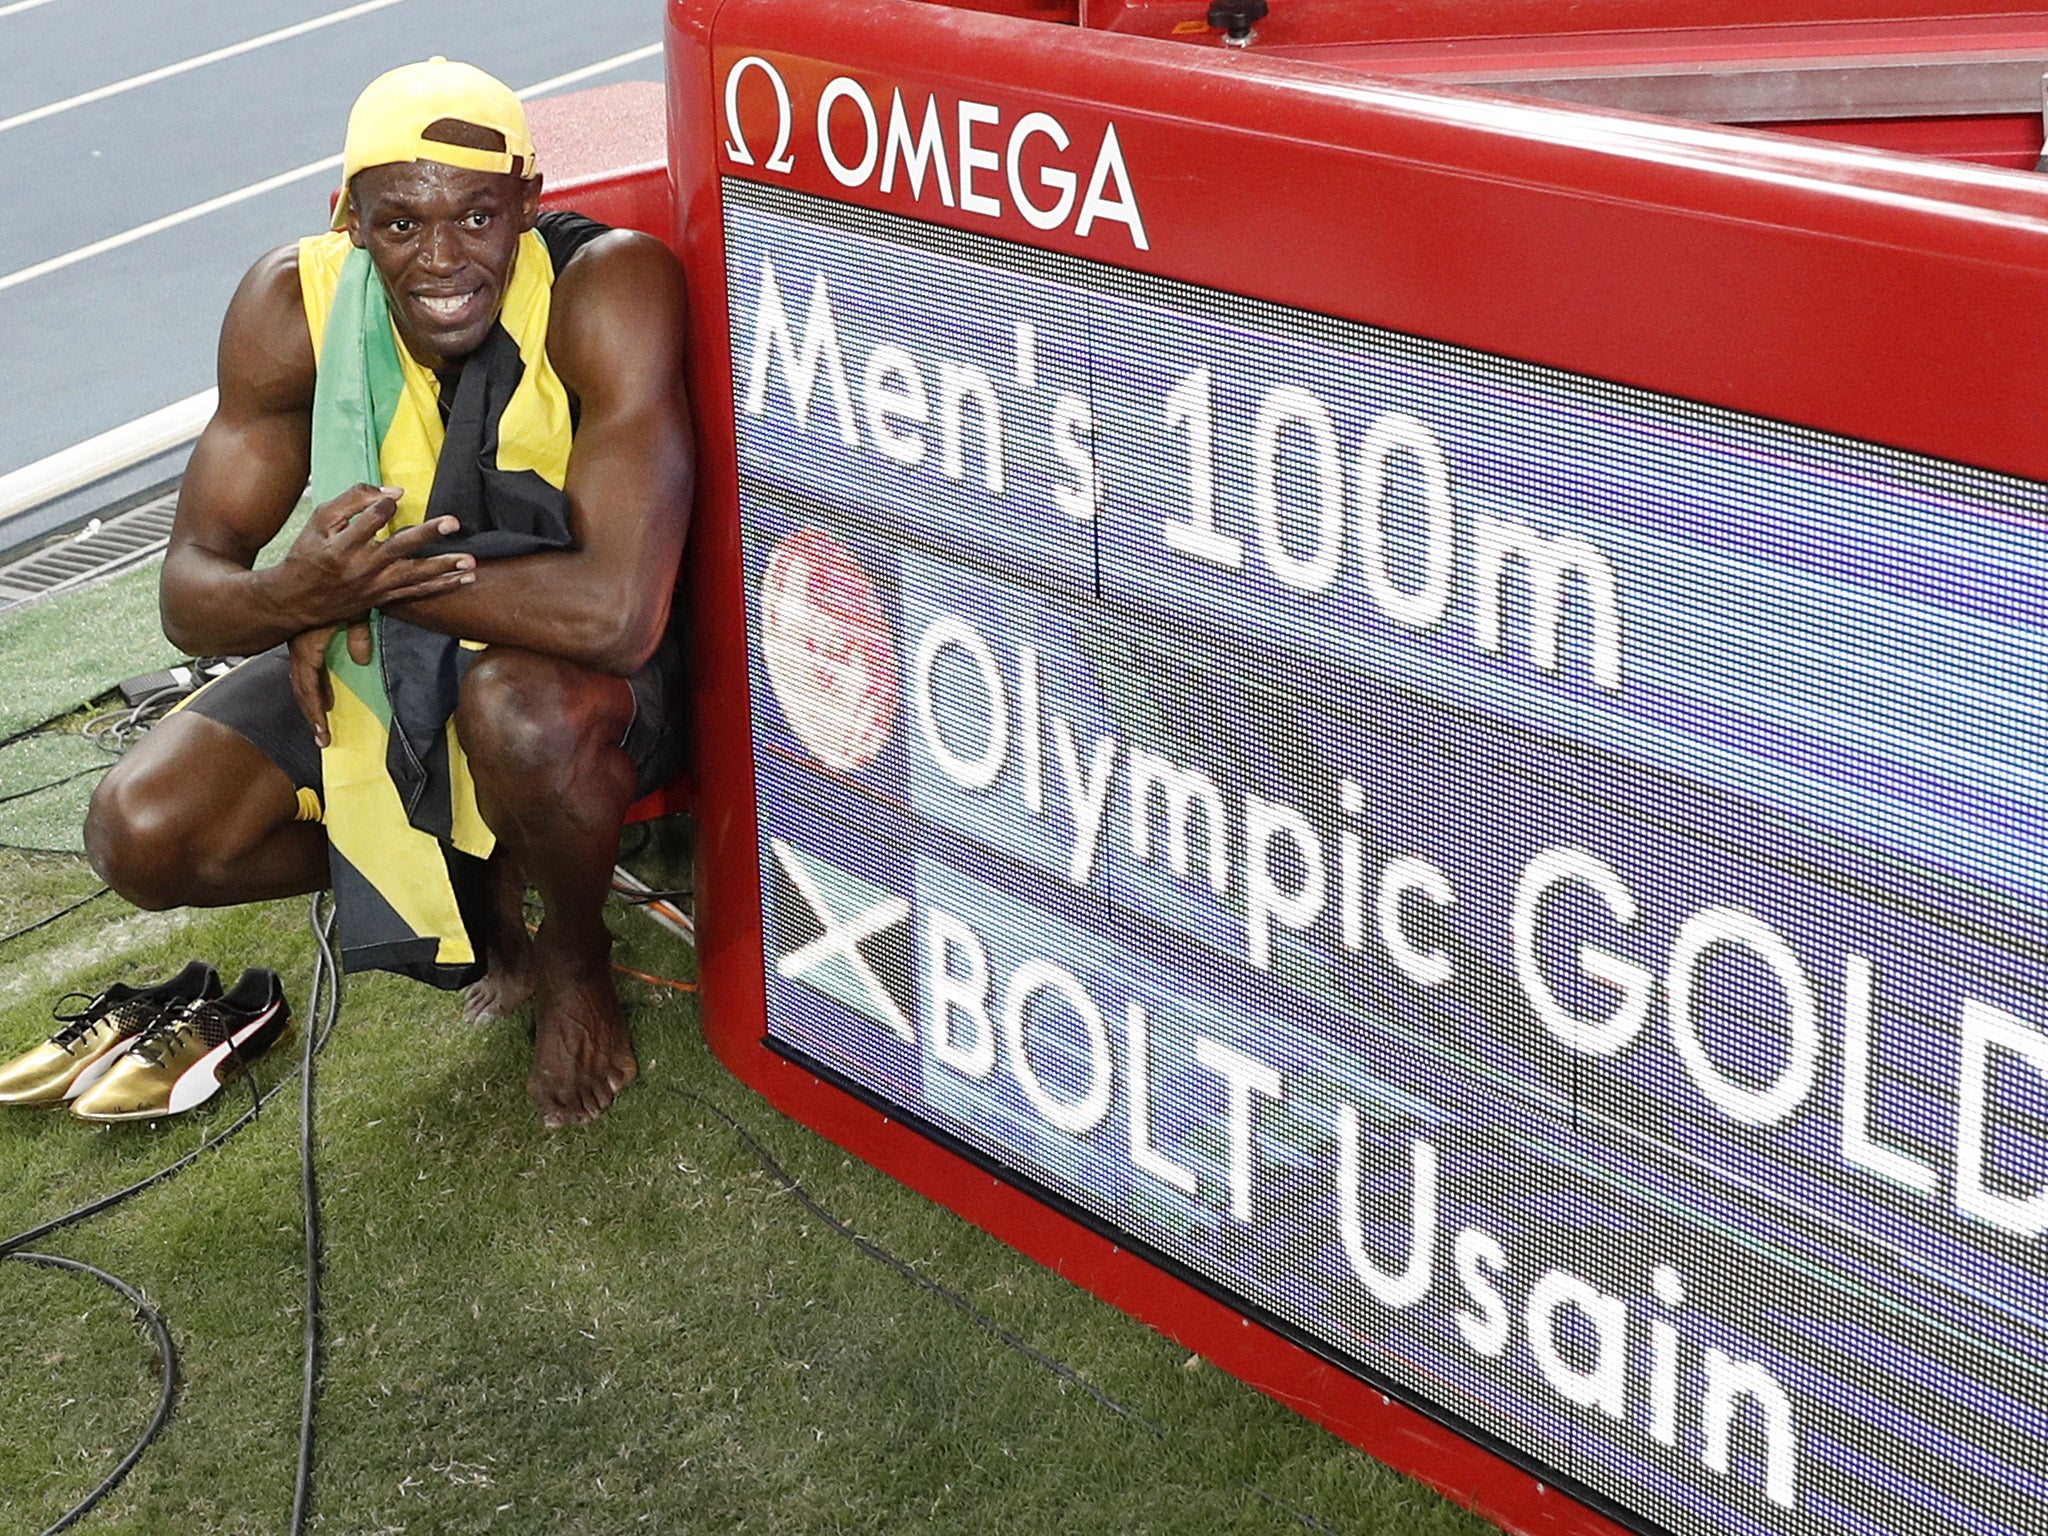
(615, 335)
(245, 476)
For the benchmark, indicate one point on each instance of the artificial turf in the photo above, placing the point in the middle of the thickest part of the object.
(628, 1327)
(633, 1326)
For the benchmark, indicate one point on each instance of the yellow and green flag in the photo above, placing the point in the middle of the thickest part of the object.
(405, 839)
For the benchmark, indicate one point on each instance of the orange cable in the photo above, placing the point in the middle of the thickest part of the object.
(626, 970)
(659, 981)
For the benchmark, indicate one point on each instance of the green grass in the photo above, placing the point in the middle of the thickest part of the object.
(55, 654)
(628, 1327)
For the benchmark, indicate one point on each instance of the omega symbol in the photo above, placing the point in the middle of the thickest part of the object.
(736, 147)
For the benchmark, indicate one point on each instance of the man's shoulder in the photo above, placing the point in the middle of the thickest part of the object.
(264, 341)
(566, 233)
(604, 263)
(273, 277)
(270, 292)
(619, 295)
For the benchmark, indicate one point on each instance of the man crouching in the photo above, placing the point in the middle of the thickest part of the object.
(462, 673)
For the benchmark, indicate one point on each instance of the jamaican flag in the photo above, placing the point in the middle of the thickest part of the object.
(405, 841)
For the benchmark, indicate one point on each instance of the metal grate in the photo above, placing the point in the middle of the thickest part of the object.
(104, 547)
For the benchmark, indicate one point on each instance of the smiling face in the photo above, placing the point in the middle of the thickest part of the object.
(443, 240)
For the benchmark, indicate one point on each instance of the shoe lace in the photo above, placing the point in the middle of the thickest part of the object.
(209, 1022)
(169, 1029)
(86, 1018)
(75, 1023)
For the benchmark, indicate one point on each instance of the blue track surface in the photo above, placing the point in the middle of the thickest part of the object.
(116, 335)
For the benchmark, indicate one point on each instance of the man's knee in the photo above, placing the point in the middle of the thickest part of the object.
(173, 821)
(136, 840)
(537, 717)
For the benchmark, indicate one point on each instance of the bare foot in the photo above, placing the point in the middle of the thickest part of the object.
(507, 984)
(508, 950)
(582, 1053)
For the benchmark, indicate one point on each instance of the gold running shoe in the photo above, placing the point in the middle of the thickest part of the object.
(182, 1060)
(94, 1038)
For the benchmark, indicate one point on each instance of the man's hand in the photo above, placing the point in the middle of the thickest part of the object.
(308, 652)
(342, 569)
(617, 337)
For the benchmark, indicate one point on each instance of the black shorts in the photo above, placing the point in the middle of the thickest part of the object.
(255, 701)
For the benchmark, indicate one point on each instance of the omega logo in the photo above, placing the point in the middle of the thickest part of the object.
(736, 136)
(971, 170)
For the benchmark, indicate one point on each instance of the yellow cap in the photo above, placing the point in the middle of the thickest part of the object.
(386, 124)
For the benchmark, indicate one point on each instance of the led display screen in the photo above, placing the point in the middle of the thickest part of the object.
(1533, 887)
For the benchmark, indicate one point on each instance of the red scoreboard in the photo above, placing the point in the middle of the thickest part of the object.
(1400, 724)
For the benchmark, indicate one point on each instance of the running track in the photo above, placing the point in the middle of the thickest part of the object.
(141, 171)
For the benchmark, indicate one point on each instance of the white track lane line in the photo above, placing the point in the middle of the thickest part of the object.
(168, 221)
(20, 5)
(271, 183)
(111, 452)
(197, 61)
(578, 76)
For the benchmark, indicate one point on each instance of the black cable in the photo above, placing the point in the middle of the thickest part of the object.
(923, 1282)
(327, 979)
(44, 922)
(793, 1186)
(12, 1245)
(23, 794)
(649, 897)
(167, 1358)
(115, 729)
(326, 965)
(325, 984)
(112, 730)
(324, 968)
(31, 730)
(16, 1247)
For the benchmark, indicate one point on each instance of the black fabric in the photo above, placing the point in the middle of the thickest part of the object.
(503, 514)
(566, 232)
(657, 741)
(255, 702)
